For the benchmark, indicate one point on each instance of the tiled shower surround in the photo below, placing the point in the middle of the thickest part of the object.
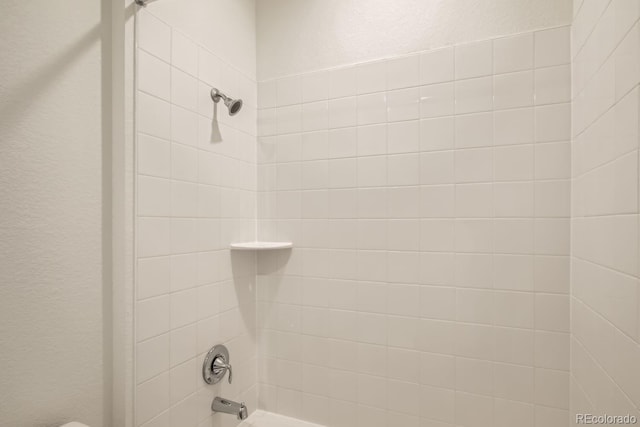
(605, 327)
(428, 199)
(195, 194)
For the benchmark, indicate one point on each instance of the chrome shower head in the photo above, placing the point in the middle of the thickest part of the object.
(234, 105)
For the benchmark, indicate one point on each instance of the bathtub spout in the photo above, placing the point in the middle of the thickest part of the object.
(229, 407)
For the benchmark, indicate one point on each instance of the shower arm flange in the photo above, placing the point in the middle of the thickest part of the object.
(216, 95)
(143, 2)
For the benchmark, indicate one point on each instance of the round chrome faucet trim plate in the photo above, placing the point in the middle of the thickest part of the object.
(216, 364)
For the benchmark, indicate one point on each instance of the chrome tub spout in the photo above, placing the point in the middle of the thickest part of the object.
(229, 407)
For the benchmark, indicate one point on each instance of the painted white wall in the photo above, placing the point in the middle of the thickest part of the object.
(51, 204)
(298, 36)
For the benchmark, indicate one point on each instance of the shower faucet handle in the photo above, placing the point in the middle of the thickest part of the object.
(220, 366)
(216, 364)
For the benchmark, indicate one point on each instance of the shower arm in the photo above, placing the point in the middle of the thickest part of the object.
(216, 95)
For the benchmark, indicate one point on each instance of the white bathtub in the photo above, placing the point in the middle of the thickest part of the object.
(269, 419)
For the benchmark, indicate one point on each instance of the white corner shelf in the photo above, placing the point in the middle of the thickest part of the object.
(260, 246)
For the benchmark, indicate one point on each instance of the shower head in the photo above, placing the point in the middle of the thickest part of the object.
(234, 105)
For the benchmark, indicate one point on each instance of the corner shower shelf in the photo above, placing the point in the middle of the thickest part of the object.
(260, 246)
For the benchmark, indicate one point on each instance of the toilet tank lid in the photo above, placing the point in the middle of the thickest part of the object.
(74, 424)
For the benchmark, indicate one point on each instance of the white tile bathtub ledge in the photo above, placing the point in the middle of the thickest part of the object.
(260, 246)
(267, 419)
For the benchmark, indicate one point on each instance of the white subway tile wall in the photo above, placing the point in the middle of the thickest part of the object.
(428, 200)
(605, 293)
(196, 193)
(427, 197)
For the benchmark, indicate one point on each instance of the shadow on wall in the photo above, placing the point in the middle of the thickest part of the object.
(244, 283)
(271, 266)
(216, 135)
(19, 98)
(244, 278)
(273, 262)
